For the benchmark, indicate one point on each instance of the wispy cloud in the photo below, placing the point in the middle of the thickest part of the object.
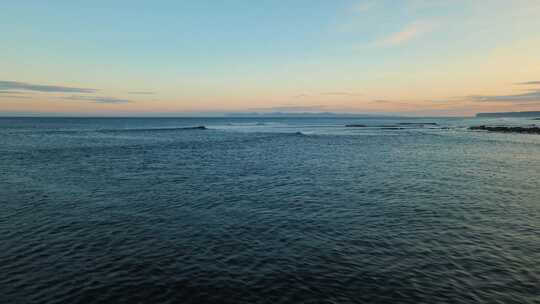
(528, 83)
(363, 6)
(328, 94)
(15, 96)
(23, 86)
(12, 92)
(406, 34)
(142, 93)
(533, 96)
(98, 99)
(340, 94)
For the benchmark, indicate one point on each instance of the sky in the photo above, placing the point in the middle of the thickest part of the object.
(409, 57)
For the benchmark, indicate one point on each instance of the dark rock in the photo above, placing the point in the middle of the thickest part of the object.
(507, 129)
(355, 126)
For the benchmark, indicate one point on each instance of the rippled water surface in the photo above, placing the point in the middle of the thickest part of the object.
(262, 210)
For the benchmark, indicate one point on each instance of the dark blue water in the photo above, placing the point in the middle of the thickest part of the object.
(263, 210)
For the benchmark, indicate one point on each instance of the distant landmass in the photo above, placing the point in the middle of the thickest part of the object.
(303, 114)
(510, 114)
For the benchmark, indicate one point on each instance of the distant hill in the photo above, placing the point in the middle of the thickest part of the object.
(509, 114)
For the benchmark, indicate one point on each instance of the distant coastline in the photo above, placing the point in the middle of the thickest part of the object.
(509, 114)
(308, 114)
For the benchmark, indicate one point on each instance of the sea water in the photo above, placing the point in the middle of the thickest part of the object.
(267, 210)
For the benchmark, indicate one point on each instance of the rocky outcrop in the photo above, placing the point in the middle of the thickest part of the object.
(508, 129)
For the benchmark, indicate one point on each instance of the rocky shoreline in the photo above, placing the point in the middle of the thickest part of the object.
(507, 129)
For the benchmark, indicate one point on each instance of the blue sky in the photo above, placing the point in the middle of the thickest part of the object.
(411, 57)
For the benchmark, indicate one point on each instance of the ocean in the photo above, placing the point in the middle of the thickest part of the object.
(268, 210)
